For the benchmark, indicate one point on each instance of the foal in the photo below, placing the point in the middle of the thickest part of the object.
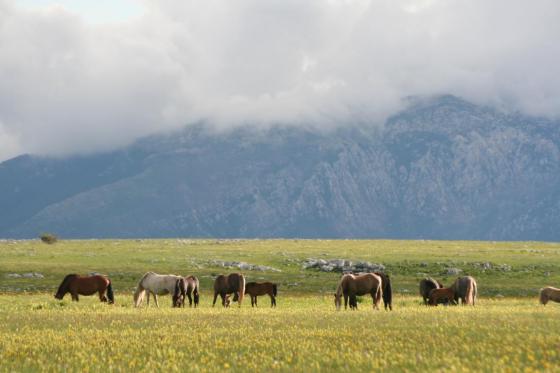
(255, 289)
(438, 296)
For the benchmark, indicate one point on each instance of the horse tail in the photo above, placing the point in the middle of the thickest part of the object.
(469, 295)
(196, 291)
(378, 295)
(110, 294)
(140, 291)
(388, 293)
(274, 290)
(241, 288)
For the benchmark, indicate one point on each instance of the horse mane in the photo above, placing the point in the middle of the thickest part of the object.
(64, 284)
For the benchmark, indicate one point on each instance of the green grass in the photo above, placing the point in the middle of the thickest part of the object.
(304, 333)
(533, 263)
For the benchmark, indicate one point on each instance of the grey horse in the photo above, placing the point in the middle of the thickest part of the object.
(466, 289)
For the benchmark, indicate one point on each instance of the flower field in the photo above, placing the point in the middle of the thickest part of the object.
(507, 331)
(302, 334)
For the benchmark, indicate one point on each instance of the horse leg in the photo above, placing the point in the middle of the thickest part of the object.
(75, 297)
(252, 301)
(272, 300)
(256, 305)
(190, 299)
(102, 296)
(148, 298)
(215, 298)
(346, 301)
(223, 296)
(155, 300)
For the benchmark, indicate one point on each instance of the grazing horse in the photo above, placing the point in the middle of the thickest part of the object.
(255, 289)
(426, 286)
(152, 283)
(76, 284)
(179, 292)
(225, 285)
(549, 293)
(441, 295)
(387, 290)
(353, 285)
(466, 289)
(193, 290)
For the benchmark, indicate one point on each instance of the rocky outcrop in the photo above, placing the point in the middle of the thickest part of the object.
(342, 265)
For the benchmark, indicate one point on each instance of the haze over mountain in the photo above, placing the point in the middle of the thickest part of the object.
(442, 168)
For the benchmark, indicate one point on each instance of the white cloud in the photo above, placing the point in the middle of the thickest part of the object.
(71, 86)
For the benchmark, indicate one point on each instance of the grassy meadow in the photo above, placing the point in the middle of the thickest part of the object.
(507, 331)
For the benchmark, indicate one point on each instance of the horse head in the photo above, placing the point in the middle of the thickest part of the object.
(180, 293)
(337, 301)
(64, 286)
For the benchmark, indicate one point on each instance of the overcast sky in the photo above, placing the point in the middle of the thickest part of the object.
(82, 76)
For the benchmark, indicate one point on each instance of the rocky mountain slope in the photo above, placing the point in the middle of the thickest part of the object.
(442, 168)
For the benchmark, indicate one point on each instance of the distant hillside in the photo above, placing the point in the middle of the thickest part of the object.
(443, 168)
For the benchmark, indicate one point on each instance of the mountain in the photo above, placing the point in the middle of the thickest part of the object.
(442, 168)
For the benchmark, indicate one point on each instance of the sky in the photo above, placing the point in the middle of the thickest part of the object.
(86, 76)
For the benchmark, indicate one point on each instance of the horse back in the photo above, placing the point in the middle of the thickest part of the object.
(364, 284)
(233, 281)
(90, 284)
(256, 288)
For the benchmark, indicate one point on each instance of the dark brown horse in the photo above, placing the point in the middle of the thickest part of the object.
(426, 286)
(76, 284)
(193, 289)
(549, 293)
(351, 286)
(254, 289)
(442, 295)
(225, 285)
(180, 292)
(387, 290)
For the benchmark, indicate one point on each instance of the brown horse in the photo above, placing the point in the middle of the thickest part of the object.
(180, 292)
(354, 285)
(426, 286)
(255, 289)
(441, 295)
(76, 284)
(233, 283)
(549, 294)
(465, 289)
(387, 290)
(193, 289)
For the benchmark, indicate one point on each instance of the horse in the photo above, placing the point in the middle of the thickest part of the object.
(192, 290)
(179, 293)
(438, 296)
(353, 285)
(255, 289)
(426, 286)
(387, 290)
(225, 285)
(152, 283)
(549, 293)
(466, 289)
(76, 284)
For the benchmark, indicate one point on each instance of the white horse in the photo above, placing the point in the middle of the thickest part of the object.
(156, 285)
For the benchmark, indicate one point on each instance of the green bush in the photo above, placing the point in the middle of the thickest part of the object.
(48, 238)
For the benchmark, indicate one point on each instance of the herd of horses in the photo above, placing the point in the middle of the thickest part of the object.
(376, 284)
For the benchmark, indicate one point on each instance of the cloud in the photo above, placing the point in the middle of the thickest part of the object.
(67, 85)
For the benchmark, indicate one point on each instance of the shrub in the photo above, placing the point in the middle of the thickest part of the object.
(48, 238)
